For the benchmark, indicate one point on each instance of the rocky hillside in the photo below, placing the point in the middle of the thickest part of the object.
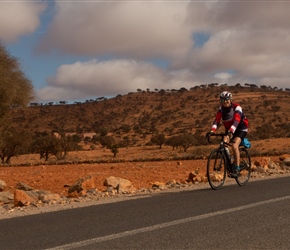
(139, 115)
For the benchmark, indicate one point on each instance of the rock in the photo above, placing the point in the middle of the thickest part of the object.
(260, 169)
(25, 196)
(2, 185)
(286, 162)
(85, 183)
(21, 198)
(217, 177)
(262, 162)
(171, 183)
(182, 182)
(73, 194)
(195, 177)
(124, 189)
(23, 186)
(192, 176)
(198, 179)
(123, 186)
(159, 185)
(115, 181)
(283, 157)
(34, 194)
(6, 197)
(48, 197)
(272, 165)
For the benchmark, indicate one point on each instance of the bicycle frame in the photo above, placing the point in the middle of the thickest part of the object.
(222, 148)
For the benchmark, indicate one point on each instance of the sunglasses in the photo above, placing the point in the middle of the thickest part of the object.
(225, 100)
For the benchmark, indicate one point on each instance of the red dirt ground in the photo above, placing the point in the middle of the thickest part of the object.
(142, 174)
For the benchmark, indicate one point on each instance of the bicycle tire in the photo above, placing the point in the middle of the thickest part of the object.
(245, 166)
(216, 169)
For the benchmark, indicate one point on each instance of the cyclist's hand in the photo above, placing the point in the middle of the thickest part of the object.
(230, 134)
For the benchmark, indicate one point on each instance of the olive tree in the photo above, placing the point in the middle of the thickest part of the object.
(185, 141)
(158, 139)
(49, 144)
(13, 142)
(15, 88)
(114, 149)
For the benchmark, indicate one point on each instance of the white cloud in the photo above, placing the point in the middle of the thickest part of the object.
(249, 38)
(105, 78)
(94, 78)
(18, 18)
(223, 76)
(131, 29)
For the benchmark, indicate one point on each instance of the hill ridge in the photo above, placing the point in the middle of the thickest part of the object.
(140, 114)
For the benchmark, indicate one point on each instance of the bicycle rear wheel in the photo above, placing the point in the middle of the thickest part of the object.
(216, 169)
(245, 167)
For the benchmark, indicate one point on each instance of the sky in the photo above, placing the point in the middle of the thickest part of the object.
(80, 50)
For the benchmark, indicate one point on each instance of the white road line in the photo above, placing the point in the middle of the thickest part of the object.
(163, 225)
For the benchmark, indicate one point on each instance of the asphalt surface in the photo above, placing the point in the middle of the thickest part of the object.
(256, 216)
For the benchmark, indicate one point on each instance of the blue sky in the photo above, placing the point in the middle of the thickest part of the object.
(78, 50)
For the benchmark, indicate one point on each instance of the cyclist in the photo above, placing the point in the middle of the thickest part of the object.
(235, 123)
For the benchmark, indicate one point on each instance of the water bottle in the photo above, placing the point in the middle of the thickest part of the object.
(232, 159)
(228, 152)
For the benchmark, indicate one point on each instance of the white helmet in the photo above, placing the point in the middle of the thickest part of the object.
(226, 95)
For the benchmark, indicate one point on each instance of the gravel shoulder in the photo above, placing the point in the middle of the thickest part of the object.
(84, 202)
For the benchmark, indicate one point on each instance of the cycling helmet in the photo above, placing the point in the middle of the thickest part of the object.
(226, 95)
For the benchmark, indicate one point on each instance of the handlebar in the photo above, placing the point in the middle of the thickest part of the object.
(222, 135)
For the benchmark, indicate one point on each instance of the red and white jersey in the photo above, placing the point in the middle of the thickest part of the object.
(232, 117)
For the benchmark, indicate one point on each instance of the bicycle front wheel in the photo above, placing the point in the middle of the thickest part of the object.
(216, 169)
(245, 167)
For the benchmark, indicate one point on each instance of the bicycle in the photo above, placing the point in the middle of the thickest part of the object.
(219, 164)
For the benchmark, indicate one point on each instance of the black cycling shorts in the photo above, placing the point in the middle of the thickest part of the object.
(241, 134)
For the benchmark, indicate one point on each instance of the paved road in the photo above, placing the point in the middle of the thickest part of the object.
(256, 216)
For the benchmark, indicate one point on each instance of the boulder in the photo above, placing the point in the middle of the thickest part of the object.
(260, 169)
(23, 186)
(159, 185)
(125, 189)
(25, 195)
(73, 194)
(191, 177)
(81, 184)
(286, 162)
(47, 197)
(196, 176)
(2, 185)
(113, 181)
(217, 177)
(262, 162)
(272, 165)
(171, 183)
(6, 197)
(284, 156)
(122, 185)
(22, 198)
